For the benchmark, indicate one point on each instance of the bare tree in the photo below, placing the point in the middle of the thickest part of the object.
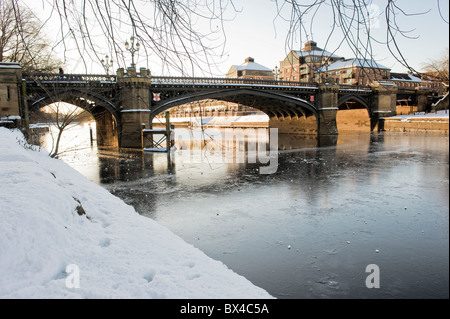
(22, 40)
(62, 116)
(360, 25)
(166, 29)
(438, 69)
(188, 35)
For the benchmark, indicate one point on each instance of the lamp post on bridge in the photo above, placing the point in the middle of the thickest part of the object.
(107, 64)
(276, 73)
(132, 50)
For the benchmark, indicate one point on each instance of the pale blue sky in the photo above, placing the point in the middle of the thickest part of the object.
(253, 32)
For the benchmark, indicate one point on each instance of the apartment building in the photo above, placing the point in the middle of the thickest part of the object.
(301, 66)
(353, 72)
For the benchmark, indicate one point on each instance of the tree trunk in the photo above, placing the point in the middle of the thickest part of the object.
(58, 139)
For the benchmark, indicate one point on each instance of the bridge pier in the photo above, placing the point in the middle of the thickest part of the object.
(10, 93)
(422, 94)
(106, 130)
(324, 123)
(135, 102)
(384, 103)
(327, 102)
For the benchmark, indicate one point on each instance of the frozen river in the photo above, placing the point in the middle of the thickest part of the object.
(309, 230)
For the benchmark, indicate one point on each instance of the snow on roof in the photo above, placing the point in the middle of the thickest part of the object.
(349, 63)
(405, 77)
(251, 66)
(320, 52)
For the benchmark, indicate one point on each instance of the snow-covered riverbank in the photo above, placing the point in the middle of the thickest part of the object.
(52, 217)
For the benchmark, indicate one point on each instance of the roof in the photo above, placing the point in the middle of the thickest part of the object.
(319, 52)
(404, 77)
(250, 65)
(350, 63)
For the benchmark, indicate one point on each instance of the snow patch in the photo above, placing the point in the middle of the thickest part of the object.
(119, 253)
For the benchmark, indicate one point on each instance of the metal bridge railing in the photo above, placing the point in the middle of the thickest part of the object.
(354, 87)
(161, 80)
(225, 81)
(56, 77)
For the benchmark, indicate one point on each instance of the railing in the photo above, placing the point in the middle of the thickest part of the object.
(354, 87)
(55, 77)
(225, 81)
(161, 80)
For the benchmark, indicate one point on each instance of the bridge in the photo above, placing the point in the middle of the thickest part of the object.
(123, 103)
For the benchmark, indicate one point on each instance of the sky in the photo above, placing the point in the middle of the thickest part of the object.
(254, 33)
(255, 30)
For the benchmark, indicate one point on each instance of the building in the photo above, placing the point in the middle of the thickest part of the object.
(301, 66)
(250, 70)
(434, 81)
(407, 80)
(353, 72)
(413, 81)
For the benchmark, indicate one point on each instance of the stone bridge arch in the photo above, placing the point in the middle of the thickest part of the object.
(353, 97)
(276, 105)
(103, 110)
(354, 114)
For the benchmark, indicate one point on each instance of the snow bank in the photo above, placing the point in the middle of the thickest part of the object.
(117, 252)
(429, 116)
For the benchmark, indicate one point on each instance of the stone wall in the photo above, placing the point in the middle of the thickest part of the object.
(416, 125)
(10, 81)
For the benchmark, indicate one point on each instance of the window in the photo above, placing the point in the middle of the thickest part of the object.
(337, 72)
(288, 70)
(295, 78)
(313, 59)
(295, 69)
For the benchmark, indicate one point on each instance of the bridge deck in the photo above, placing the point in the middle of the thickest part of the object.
(158, 81)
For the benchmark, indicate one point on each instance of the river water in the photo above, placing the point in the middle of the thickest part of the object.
(311, 229)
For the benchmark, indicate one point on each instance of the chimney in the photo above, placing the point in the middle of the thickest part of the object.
(310, 46)
(248, 60)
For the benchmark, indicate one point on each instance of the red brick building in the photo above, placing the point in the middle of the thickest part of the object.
(353, 72)
(301, 66)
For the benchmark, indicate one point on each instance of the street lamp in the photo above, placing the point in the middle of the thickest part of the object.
(276, 73)
(107, 64)
(132, 49)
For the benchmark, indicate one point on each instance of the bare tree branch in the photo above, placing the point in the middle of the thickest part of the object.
(22, 39)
